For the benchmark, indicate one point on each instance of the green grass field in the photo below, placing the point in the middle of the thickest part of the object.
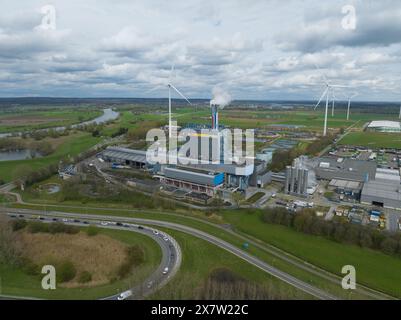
(15, 282)
(32, 120)
(373, 139)
(72, 146)
(185, 219)
(373, 268)
(200, 258)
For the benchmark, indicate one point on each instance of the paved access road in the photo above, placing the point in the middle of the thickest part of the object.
(301, 285)
(171, 251)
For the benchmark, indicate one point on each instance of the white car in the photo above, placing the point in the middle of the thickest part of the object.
(155, 232)
(124, 295)
(104, 223)
(165, 238)
(165, 270)
(65, 220)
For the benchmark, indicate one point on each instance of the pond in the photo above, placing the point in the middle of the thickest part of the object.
(53, 188)
(19, 155)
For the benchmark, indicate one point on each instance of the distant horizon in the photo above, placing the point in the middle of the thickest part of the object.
(195, 99)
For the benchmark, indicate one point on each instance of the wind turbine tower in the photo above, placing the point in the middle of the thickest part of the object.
(171, 86)
(349, 104)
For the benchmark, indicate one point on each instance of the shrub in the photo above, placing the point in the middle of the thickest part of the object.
(29, 267)
(18, 224)
(84, 277)
(92, 231)
(36, 227)
(66, 271)
(135, 257)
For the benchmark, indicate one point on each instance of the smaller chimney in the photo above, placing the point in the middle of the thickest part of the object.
(215, 116)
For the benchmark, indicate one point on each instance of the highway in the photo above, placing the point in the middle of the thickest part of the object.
(301, 285)
(171, 251)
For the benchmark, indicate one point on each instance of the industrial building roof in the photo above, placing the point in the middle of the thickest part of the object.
(382, 189)
(192, 175)
(349, 169)
(388, 175)
(126, 154)
(385, 124)
(345, 184)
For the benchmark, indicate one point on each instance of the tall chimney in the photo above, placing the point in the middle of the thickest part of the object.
(215, 116)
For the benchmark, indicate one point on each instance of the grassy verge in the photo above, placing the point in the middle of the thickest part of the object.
(200, 258)
(374, 268)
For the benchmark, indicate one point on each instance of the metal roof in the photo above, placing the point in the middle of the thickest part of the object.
(125, 154)
(385, 124)
(382, 189)
(346, 184)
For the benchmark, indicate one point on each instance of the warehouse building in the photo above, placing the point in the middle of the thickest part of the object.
(192, 180)
(350, 189)
(382, 193)
(329, 168)
(384, 126)
(125, 156)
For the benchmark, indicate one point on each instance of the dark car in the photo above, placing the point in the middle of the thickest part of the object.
(76, 220)
(86, 222)
(55, 219)
(140, 228)
(119, 224)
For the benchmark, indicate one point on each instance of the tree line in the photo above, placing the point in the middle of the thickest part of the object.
(307, 222)
(283, 158)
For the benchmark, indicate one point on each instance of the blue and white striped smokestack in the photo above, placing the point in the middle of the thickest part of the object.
(215, 116)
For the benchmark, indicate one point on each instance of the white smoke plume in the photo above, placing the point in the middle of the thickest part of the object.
(220, 97)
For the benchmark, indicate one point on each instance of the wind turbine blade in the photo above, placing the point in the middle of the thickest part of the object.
(338, 86)
(170, 77)
(321, 98)
(153, 89)
(322, 74)
(180, 94)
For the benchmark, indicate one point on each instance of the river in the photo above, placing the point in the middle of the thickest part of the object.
(108, 115)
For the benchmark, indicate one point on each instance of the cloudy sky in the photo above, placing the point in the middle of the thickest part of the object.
(252, 49)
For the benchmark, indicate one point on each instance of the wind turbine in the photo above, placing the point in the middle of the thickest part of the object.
(349, 104)
(400, 113)
(171, 86)
(326, 92)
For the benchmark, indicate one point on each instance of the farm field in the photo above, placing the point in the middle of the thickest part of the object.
(373, 139)
(32, 120)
